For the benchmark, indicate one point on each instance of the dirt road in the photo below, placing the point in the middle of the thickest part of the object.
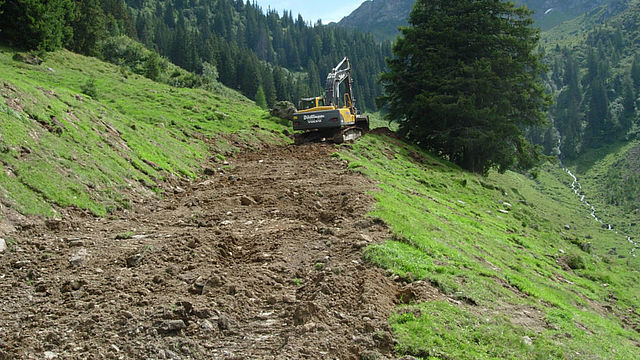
(262, 260)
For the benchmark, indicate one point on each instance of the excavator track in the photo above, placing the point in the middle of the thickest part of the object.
(337, 136)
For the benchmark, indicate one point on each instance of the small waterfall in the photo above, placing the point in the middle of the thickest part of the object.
(577, 190)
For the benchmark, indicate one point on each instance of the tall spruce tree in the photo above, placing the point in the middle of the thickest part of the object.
(465, 81)
(88, 27)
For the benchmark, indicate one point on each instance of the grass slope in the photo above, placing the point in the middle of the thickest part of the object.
(517, 282)
(60, 147)
(610, 178)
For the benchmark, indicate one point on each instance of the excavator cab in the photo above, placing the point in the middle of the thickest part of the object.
(310, 103)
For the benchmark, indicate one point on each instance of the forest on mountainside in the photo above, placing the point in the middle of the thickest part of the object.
(232, 41)
(596, 84)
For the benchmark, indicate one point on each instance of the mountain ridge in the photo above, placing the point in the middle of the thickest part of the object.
(382, 17)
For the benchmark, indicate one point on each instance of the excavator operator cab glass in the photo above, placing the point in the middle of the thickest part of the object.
(309, 103)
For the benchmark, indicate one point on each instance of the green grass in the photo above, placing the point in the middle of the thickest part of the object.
(611, 182)
(450, 229)
(377, 120)
(60, 147)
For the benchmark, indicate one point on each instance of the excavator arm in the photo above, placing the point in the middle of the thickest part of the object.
(340, 74)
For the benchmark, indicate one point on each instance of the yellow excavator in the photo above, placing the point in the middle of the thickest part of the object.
(332, 117)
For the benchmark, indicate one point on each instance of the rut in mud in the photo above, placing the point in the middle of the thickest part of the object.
(259, 261)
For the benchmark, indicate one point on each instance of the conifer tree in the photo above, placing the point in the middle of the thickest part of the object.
(88, 27)
(36, 24)
(261, 99)
(465, 81)
(635, 71)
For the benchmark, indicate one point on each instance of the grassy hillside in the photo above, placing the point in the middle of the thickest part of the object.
(523, 271)
(610, 178)
(62, 147)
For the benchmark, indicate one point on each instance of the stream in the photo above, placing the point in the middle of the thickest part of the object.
(577, 189)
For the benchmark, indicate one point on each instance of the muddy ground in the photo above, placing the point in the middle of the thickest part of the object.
(261, 259)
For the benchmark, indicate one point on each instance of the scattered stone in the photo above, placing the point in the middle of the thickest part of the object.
(171, 325)
(76, 243)
(586, 247)
(50, 355)
(30, 59)
(360, 244)
(561, 251)
(151, 163)
(3, 245)
(366, 238)
(75, 284)
(308, 327)
(223, 322)
(283, 110)
(53, 224)
(51, 70)
(225, 163)
(78, 258)
(567, 227)
(371, 355)
(171, 355)
(199, 286)
(326, 231)
(503, 211)
(178, 190)
(507, 204)
(134, 260)
(527, 340)
(209, 171)
(408, 357)
(207, 183)
(246, 201)
(207, 325)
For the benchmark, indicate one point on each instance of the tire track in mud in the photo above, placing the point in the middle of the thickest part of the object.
(259, 261)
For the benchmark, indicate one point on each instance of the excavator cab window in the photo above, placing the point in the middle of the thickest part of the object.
(306, 104)
(320, 102)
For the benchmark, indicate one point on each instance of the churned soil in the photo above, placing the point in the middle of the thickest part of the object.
(259, 259)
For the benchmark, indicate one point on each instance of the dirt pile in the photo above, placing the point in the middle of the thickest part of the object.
(260, 259)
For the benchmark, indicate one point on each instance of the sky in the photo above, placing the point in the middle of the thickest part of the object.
(311, 11)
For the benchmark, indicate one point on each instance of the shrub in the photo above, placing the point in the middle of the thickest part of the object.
(89, 88)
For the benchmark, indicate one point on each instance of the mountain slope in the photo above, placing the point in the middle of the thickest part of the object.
(60, 147)
(382, 17)
(522, 269)
(379, 17)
